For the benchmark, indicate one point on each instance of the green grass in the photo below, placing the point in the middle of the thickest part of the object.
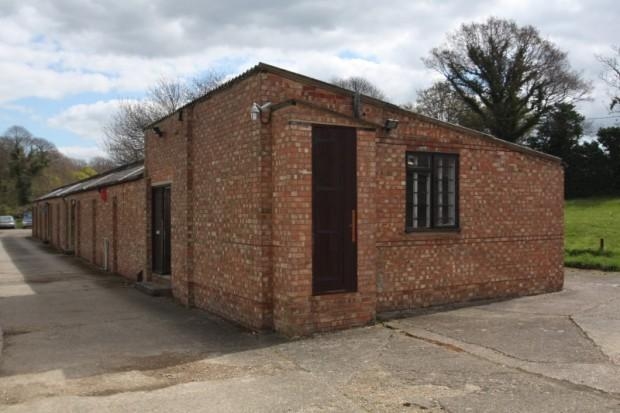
(586, 222)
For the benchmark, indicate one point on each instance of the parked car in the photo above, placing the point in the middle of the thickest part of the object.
(7, 221)
(27, 220)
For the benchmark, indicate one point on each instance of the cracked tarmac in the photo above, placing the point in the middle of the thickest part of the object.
(76, 339)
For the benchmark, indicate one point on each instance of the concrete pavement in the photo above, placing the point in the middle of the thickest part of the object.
(76, 339)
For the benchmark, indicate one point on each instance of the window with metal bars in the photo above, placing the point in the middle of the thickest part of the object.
(432, 191)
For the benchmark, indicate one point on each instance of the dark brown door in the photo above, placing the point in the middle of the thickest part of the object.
(49, 209)
(71, 227)
(161, 230)
(334, 197)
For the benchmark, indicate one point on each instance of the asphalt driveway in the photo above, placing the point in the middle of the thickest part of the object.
(76, 339)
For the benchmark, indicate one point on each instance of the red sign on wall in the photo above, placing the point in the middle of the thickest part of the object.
(103, 193)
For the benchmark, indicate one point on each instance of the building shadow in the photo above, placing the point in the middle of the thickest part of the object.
(61, 315)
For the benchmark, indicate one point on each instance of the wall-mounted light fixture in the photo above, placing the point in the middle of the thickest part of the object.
(158, 131)
(391, 124)
(256, 110)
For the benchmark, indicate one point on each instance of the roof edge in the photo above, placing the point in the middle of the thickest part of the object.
(100, 175)
(392, 106)
(229, 83)
(264, 67)
(512, 145)
(311, 105)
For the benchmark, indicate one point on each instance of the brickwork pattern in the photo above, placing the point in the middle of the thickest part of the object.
(297, 310)
(166, 164)
(94, 222)
(510, 240)
(241, 211)
(214, 158)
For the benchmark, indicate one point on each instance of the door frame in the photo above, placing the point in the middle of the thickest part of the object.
(347, 144)
(166, 248)
(70, 225)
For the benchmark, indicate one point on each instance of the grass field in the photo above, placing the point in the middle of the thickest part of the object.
(586, 222)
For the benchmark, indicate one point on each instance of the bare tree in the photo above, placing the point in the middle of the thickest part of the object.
(441, 102)
(203, 84)
(124, 133)
(361, 85)
(507, 75)
(611, 75)
(101, 164)
(166, 96)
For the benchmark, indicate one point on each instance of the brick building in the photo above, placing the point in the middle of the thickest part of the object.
(282, 202)
(100, 219)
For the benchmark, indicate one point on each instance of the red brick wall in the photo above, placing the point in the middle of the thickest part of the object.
(510, 240)
(86, 230)
(229, 267)
(511, 227)
(130, 247)
(221, 224)
(165, 164)
(131, 226)
(241, 212)
(297, 310)
(51, 226)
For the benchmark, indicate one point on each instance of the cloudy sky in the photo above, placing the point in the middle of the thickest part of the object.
(65, 64)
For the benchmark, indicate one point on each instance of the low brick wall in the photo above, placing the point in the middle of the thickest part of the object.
(120, 219)
(510, 236)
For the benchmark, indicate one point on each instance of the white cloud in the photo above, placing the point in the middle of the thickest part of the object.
(82, 152)
(22, 80)
(56, 48)
(86, 120)
(17, 108)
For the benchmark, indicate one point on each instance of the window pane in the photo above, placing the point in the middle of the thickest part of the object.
(409, 200)
(431, 190)
(421, 200)
(445, 190)
(418, 160)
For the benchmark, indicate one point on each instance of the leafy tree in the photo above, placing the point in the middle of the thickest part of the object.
(361, 85)
(29, 168)
(509, 76)
(591, 168)
(586, 165)
(587, 173)
(610, 139)
(58, 172)
(124, 132)
(559, 132)
(83, 173)
(28, 156)
(7, 183)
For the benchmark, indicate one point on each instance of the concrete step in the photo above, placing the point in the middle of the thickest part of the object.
(154, 289)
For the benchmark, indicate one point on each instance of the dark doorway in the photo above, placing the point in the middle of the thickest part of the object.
(49, 209)
(78, 228)
(71, 227)
(114, 234)
(161, 229)
(334, 220)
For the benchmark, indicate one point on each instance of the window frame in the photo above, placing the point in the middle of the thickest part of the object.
(433, 227)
